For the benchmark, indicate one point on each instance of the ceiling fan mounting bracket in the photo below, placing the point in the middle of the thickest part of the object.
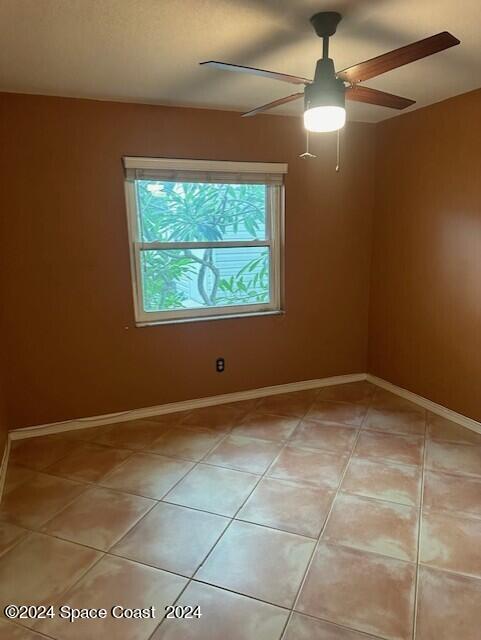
(325, 23)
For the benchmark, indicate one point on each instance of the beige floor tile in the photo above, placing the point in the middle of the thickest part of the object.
(309, 465)
(353, 392)
(169, 419)
(390, 447)
(384, 481)
(39, 453)
(98, 518)
(444, 492)
(10, 534)
(451, 542)
(220, 491)
(463, 459)
(243, 406)
(224, 615)
(304, 628)
(133, 434)
(404, 422)
(16, 476)
(172, 538)
(40, 568)
(219, 417)
(148, 475)
(388, 401)
(115, 581)
(11, 631)
(371, 525)
(362, 591)
(244, 454)
(445, 430)
(186, 443)
(288, 506)
(448, 606)
(89, 462)
(324, 435)
(340, 412)
(256, 561)
(266, 426)
(35, 501)
(89, 434)
(288, 404)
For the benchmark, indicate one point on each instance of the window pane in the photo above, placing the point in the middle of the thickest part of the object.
(200, 212)
(203, 278)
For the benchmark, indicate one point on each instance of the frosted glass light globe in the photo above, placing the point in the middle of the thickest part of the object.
(323, 119)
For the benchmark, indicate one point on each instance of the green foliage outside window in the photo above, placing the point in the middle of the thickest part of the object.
(202, 212)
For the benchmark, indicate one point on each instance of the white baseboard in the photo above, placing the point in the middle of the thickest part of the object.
(438, 409)
(3, 466)
(186, 405)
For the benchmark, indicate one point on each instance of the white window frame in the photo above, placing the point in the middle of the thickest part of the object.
(270, 174)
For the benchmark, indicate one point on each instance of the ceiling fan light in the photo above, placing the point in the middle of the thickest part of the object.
(324, 119)
(325, 100)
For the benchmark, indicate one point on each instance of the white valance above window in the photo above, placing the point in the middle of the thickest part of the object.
(175, 170)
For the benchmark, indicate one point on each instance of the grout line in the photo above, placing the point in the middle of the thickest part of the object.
(470, 576)
(367, 552)
(92, 485)
(393, 433)
(73, 585)
(137, 523)
(237, 593)
(4, 462)
(65, 506)
(155, 502)
(283, 445)
(342, 627)
(259, 480)
(420, 516)
(452, 513)
(379, 500)
(18, 540)
(366, 497)
(40, 634)
(30, 531)
(316, 546)
(159, 500)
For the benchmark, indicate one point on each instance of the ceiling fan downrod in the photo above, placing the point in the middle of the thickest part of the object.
(325, 25)
(325, 97)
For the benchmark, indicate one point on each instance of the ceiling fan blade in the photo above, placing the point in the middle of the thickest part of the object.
(271, 105)
(398, 57)
(284, 77)
(359, 93)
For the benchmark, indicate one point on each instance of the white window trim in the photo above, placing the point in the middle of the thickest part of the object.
(274, 238)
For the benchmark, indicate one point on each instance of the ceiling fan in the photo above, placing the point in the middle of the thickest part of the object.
(325, 96)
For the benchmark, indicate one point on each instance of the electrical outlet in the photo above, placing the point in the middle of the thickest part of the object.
(219, 365)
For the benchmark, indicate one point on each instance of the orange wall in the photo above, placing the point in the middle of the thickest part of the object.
(425, 312)
(73, 349)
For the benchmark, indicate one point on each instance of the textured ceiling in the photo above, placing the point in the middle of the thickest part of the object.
(148, 50)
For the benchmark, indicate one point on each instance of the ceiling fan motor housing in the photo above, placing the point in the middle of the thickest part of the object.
(326, 89)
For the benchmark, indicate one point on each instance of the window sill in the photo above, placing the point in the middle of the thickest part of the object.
(230, 316)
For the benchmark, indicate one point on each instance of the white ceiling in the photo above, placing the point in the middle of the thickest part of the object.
(148, 50)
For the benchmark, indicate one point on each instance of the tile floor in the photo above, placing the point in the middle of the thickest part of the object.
(341, 513)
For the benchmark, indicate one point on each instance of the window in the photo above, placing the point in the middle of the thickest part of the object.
(205, 238)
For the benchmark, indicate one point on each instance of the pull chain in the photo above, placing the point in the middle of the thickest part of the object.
(306, 155)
